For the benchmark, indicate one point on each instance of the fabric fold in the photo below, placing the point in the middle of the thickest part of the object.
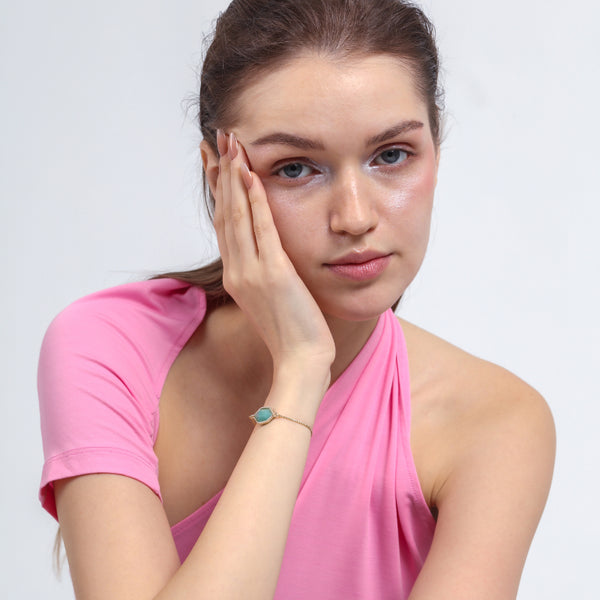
(358, 525)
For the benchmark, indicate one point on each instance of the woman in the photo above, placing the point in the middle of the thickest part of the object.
(321, 146)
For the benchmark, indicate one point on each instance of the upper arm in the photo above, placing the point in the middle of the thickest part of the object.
(117, 537)
(97, 402)
(490, 500)
(100, 477)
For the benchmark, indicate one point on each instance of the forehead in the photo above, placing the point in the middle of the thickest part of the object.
(315, 91)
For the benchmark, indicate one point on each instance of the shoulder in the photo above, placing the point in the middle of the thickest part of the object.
(464, 406)
(129, 311)
(141, 299)
(445, 375)
(127, 334)
(483, 442)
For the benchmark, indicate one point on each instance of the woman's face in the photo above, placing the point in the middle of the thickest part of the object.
(345, 153)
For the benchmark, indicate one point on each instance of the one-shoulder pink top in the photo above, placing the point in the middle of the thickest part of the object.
(360, 528)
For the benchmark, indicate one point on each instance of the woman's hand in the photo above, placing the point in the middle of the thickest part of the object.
(257, 272)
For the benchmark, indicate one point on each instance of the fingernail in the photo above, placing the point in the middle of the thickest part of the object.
(247, 176)
(221, 142)
(233, 146)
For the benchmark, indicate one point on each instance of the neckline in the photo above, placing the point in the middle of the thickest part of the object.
(360, 358)
(345, 379)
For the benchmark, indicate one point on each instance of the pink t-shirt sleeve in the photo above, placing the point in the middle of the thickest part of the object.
(102, 365)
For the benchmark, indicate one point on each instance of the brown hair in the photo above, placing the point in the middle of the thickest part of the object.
(255, 36)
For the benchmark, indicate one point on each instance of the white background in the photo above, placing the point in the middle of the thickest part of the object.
(99, 184)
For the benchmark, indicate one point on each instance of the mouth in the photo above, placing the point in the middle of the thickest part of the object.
(358, 257)
(360, 265)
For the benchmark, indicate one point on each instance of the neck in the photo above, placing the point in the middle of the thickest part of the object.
(238, 347)
(349, 338)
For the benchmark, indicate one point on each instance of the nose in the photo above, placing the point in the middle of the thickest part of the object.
(352, 209)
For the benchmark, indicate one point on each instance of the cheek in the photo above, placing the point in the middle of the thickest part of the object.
(408, 207)
(296, 217)
(409, 200)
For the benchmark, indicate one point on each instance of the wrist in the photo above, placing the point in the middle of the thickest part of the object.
(298, 393)
(266, 414)
(302, 375)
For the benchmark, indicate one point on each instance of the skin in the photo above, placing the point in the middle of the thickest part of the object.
(347, 197)
(482, 440)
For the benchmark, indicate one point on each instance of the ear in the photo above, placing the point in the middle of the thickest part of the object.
(210, 162)
(437, 163)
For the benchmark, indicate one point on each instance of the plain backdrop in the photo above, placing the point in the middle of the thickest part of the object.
(100, 185)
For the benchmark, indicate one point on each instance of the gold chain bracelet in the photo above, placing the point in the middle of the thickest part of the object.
(266, 414)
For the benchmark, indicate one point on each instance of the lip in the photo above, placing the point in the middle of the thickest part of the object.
(357, 257)
(360, 265)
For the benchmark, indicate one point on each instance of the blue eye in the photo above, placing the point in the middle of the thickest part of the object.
(294, 170)
(392, 156)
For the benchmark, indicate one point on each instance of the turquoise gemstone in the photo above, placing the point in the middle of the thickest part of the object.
(263, 414)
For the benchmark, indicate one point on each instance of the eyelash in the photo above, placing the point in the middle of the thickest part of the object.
(299, 163)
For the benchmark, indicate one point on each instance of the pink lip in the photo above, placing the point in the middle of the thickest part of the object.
(357, 257)
(360, 266)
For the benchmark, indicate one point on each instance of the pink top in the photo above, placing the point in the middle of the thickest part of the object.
(361, 527)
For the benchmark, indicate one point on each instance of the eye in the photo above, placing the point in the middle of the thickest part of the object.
(391, 156)
(294, 171)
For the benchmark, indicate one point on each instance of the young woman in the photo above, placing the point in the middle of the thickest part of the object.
(380, 461)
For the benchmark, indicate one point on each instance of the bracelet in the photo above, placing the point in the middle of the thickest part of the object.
(266, 414)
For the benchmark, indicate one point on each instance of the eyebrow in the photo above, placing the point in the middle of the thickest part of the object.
(288, 139)
(303, 143)
(399, 128)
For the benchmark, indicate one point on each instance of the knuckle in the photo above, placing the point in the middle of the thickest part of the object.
(275, 274)
(247, 279)
(278, 264)
(229, 282)
(237, 215)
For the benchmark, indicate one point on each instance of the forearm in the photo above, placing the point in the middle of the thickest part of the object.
(240, 551)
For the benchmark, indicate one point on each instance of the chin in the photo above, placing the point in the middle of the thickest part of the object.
(359, 306)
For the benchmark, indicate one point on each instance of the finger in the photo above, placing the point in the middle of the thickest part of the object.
(219, 217)
(221, 142)
(225, 200)
(265, 233)
(219, 223)
(241, 217)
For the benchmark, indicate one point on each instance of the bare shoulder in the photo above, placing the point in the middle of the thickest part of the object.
(483, 442)
(444, 374)
(462, 405)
